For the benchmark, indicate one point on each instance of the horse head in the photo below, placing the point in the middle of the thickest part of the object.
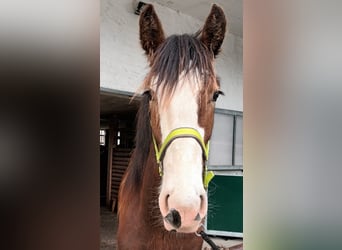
(183, 87)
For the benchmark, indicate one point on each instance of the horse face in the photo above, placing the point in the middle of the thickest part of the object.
(182, 199)
(182, 82)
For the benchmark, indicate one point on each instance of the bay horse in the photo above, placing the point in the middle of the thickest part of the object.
(164, 209)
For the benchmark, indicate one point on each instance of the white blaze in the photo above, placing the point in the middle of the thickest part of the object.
(182, 183)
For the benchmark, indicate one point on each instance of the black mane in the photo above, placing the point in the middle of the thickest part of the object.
(143, 139)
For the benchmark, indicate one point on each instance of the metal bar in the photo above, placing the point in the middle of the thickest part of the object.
(225, 167)
(228, 112)
(234, 140)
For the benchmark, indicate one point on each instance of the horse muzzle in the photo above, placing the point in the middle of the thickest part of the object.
(183, 218)
(173, 222)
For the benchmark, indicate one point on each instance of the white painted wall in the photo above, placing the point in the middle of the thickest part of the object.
(123, 65)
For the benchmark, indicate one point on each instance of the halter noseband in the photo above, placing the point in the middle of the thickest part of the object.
(184, 133)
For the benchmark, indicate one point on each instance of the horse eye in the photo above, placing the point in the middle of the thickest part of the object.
(217, 94)
(148, 93)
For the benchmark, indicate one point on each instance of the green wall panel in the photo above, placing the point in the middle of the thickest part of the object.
(225, 211)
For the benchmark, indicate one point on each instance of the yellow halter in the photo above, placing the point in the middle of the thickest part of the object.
(184, 133)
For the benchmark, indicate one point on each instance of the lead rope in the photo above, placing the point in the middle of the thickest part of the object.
(208, 240)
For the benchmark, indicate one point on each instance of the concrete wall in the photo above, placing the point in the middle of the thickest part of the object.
(123, 63)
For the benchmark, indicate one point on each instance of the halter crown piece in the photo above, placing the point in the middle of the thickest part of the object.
(184, 132)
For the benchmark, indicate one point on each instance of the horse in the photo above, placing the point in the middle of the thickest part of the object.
(162, 199)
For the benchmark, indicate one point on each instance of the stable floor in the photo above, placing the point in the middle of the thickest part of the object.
(109, 227)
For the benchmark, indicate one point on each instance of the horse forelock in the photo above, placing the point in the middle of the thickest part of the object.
(179, 56)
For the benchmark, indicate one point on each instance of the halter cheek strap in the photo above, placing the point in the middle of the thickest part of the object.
(184, 133)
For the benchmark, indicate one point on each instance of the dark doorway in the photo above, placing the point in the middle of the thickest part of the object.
(117, 131)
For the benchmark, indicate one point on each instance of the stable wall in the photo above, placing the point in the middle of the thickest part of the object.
(123, 64)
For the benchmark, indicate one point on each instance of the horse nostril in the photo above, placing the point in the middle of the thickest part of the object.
(174, 218)
(198, 217)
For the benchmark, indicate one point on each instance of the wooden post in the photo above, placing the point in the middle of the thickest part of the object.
(109, 165)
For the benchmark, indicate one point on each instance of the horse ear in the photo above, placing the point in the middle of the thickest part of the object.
(214, 29)
(151, 30)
